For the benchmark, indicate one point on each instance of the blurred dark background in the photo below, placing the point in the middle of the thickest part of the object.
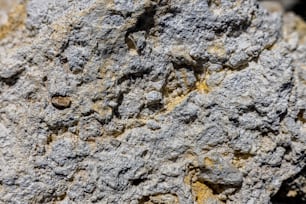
(300, 8)
(296, 6)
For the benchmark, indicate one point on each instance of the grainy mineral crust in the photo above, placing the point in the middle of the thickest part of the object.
(150, 101)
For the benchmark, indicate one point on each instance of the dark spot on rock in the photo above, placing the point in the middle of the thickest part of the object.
(61, 102)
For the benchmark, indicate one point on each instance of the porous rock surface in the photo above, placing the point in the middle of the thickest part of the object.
(150, 101)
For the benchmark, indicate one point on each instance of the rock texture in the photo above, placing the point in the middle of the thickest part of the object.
(150, 101)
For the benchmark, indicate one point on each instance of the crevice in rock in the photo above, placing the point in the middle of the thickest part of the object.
(244, 156)
(144, 200)
(196, 68)
(213, 2)
(289, 191)
(119, 102)
(136, 182)
(234, 121)
(60, 128)
(12, 79)
(300, 116)
(220, 188)
(144, 22)
(133, 75)
(155, 107)
(283, 115)
(131, 43)
(286, 86)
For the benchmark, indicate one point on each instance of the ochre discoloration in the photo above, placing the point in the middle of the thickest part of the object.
(201, 192)
(103, 70)
(292, 194)
(202, 87)
(175, 102)
(109, 4)
(217, 49)
(208, 162)
(240, 160)
(102, 110)
(16, 18)
(171, 103)
(301, 29)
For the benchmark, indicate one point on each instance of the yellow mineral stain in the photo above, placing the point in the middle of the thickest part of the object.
(217, 49)
(16, 17)
(175, 102)
(97, 107)
(202, 87)
(238, 163)
(239, 160)
(107, 3)
(192, 158)
(187, 179)
(292, 194)
(201, 192)
(59, 30)
(100, 109)
(301, 29)
(208, 162)
(107, 63)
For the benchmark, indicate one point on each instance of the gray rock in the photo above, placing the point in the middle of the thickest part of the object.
(215, 170)
(142, 101)
(153, 97)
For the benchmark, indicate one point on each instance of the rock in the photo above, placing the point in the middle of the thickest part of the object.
(114, 128)
(215, 170)
(153, 97)
(130, 106)
(142, 101)
(89, 128)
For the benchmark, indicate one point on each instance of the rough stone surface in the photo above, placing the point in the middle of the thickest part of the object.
(150, 101)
